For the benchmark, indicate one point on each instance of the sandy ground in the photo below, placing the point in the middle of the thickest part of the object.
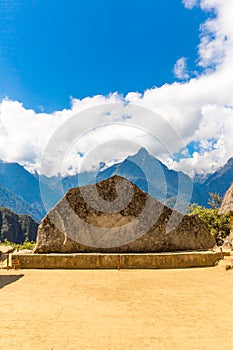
(128, 309)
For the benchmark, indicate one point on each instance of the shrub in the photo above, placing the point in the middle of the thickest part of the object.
(26, 245)
(218, 225)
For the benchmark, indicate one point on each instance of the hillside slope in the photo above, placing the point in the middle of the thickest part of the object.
(20, 190)
(218, 182)
(16, 228)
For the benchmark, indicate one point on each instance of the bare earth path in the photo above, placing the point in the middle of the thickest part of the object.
(133, 309)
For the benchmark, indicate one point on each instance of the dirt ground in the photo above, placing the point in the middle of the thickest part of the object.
(110, 309)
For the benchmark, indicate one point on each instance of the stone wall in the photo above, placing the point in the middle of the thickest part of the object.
(113, 261)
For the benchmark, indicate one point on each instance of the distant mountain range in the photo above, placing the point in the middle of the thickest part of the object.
(144, 169)
(20, 190)
(218, 182)
(153, 177)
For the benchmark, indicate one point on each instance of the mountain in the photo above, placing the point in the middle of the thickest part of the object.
(10, 200)
(142, 169)
(20, 190)
(16, 228)
(14, 177)
(153, 177)
(218, 182)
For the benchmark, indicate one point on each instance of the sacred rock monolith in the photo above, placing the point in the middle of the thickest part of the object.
(115, 216)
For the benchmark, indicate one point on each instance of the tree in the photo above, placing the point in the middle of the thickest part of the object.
(215, 200)
(218, 225)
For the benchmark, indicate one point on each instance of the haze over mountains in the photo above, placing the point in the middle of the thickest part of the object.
(20, 190)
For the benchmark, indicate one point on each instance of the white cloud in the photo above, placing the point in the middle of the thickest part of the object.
(189, 4)
(202, 107)
(181, 69)
(199, 109)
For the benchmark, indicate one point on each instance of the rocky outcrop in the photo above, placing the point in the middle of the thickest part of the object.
(4, 251)
(16, 228)
(116, 216)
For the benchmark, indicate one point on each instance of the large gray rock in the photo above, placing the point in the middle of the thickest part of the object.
(6, 249)
(116, 216)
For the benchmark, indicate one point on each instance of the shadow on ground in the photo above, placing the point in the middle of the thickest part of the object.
(5, 280)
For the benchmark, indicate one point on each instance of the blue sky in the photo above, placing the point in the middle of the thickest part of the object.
(79, 57)
(51, 50)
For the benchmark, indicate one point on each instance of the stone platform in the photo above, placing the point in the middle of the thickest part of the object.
(118, 261)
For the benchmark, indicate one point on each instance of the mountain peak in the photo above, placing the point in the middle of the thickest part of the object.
(230, 162)
(142, 153)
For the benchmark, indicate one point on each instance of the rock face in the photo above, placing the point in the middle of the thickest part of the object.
(116, 216)
(16, 228)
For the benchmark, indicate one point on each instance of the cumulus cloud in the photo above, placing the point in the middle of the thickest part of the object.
(181, 69)
(195, 110)
(202, 107)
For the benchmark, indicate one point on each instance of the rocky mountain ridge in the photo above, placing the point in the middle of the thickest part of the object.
(20, 190)
(16, 228)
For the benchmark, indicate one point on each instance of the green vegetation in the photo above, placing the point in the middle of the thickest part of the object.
(25, 245)
(218, 225)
